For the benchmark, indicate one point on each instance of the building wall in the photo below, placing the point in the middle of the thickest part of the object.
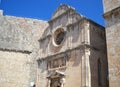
(97, 37)
(75, 72)
(11, 34)
(94, 57)
(73, 69)
(112, 19)
(41, 80)
(84, 43)
(113, 48)
(18, 50)
(110, 4)
(73, 38)
(98, 53)
(14, 69)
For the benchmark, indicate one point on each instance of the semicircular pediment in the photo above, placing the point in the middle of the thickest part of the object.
(60, 10)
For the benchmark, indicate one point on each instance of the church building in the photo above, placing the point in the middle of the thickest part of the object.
(72, 52)
(69, 50)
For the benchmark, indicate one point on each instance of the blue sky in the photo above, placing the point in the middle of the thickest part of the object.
(43, 9)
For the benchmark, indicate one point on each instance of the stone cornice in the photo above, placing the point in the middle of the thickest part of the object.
(68, 25)
(91, 21)
(82, 47)
(70, 9)
(16, 51)
(107, 14)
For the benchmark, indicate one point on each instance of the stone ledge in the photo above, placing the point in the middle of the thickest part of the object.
(59, 68)
(81, 47)
(13, 50)
(105, 15)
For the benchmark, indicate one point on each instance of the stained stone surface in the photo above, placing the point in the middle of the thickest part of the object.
(27, 46)
(19, 33)
(110, 5)
(18, 50)
(112, 19)
(83, 45)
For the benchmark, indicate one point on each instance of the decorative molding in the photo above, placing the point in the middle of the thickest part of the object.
(16, 51)
(43, 38)
(107, 14)
(81, 47)
(61, 31)
(70, 9)
(59, 68)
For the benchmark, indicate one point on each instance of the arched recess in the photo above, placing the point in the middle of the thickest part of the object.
(99, 72)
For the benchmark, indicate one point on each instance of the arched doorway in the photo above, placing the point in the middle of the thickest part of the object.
(56, 79)
(55, 82)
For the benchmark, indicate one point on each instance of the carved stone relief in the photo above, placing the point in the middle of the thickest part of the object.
(55, 63)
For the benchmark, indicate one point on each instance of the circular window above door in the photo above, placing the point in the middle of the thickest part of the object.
(59, 36)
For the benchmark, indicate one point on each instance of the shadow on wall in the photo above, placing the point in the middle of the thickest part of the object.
(42, 64)
(44, 40)
(75, 33)
(99, 69)
(98, 57)
(76, 58)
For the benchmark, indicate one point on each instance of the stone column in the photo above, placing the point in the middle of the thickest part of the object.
(49, 82)
(62, 81)
(86, 75)
(83, 75)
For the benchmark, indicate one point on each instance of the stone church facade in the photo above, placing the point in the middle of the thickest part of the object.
(72, 52)
(69, 50)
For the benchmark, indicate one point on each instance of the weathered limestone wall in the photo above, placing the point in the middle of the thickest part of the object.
(113, 48)
(112, 19)
(32, 27)
(81, 68)
(12, 37)
(69, 20)
(97, 37)
(94, 57)
(42, 74)
(73, 38)
(18, 50)
(73, 69)
(98, 52)
(110, 4)
(14, 69)
(20, 33)
(84, 42)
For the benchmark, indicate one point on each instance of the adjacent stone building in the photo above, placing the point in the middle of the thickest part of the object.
(18, 50)
(112, 19)
(67, 51)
